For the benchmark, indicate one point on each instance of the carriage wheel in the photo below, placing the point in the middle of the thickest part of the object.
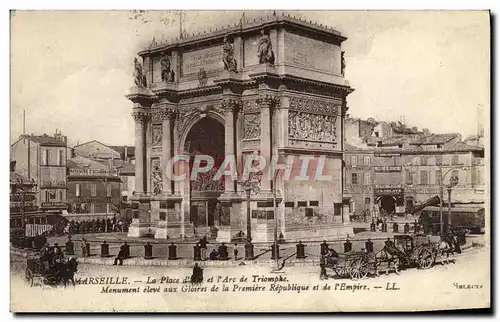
(425, 259)
(359, 269)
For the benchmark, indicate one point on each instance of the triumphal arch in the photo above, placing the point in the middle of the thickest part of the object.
(273, 87)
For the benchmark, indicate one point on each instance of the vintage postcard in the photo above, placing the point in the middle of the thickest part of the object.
(249, 161)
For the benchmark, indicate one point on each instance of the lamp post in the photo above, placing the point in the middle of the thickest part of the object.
(249, 185)
(453, 183)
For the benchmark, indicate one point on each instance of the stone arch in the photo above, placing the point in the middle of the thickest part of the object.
(192, 122)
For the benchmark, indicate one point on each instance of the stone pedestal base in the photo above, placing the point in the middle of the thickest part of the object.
(265, 232)
(140, 229)
(318, 232)
(225, 233)
(161, 230)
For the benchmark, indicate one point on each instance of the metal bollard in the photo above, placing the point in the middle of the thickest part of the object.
(223, 255)
(126, 247)
(406, 228)
(87, 249)
(148, 251)
(249, 251)
(70, 247)
(28, 242)
(197, 252)
(172, 252)
(275, 252)
(324, 247)
(395, 227)
(301, 250)
(369, 246)
(347, 246)
(104, 249)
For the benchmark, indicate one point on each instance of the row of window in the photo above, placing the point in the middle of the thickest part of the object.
(45, 160)
(356, 180)
(425, 178)
(93, 190)
(354, 160)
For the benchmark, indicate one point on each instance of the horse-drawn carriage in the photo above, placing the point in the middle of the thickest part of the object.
(355, 265)
(401, 252)
(42, 271)
(419, 251)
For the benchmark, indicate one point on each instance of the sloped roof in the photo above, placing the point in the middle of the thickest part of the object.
(79, 162)
(463, 147)
(433, 139)
(46, 140)
(121, 149)
(124, 167)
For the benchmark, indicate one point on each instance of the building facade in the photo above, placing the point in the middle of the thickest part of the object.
(93, 190)
(43, 159)
(273, 88)
(23, 201)
(390, 175)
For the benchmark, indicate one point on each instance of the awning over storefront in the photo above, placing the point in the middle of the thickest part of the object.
(474, 210)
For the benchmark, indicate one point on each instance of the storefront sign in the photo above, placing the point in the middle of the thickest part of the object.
(387, 154)
(381, 186)
(92, 172)
(387, 169)
(389, 191)
(19, 197)
(54, 204)
(92, 200)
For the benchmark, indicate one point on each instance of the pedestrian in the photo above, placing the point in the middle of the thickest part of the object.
(197, 276)
(322, 265)
(235, 251)
(120, 256)
(84, 247)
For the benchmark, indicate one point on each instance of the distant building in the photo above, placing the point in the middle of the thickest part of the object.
(393, 173)
(93, 189)
(23, 201)
(42, 158)
(97, 151)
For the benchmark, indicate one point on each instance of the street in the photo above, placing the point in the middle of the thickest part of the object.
(443, 286)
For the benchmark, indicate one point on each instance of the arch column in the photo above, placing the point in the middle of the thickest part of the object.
(141, 118)
(266, 103)
(230, 107)
(231, 202)
(167, 115)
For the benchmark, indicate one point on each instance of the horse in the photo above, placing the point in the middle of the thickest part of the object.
(448, 245)
(62, 273)
(391, 255)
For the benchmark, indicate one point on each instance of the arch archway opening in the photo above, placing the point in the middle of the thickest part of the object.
(206, 137)
(388, 204)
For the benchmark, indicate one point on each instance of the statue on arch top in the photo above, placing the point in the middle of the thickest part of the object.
(265, 49)
(165, 67)
(139, 77)
(230, 63)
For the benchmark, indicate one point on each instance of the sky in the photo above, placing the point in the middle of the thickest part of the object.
(70, 70)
